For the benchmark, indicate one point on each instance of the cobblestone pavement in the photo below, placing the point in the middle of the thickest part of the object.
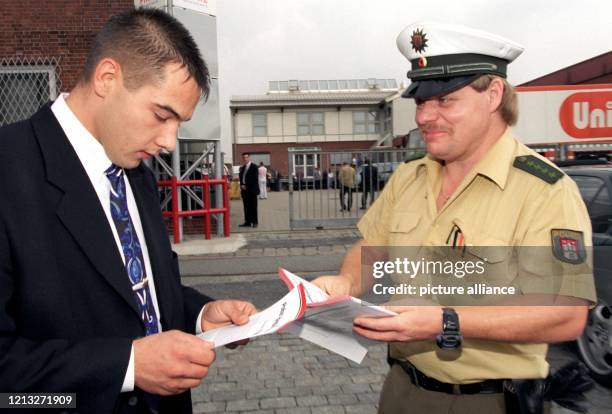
(284, 374)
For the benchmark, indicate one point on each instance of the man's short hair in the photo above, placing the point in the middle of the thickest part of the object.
(143, 42)
(248, 154)
(508, 108)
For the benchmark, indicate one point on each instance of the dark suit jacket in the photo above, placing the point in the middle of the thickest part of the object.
(67, 312)
(369, 176)
(251, 180)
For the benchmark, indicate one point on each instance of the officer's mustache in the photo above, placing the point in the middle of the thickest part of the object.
(434, 128)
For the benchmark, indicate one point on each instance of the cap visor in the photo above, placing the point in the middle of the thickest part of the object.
(429, 88)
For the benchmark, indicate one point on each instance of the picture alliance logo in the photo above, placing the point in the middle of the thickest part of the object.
(587, 114)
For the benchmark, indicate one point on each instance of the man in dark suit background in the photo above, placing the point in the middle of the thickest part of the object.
(369, 183)
(249, 190)
(90, 295)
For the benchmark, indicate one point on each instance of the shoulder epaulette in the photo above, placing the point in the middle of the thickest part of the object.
(535, 166)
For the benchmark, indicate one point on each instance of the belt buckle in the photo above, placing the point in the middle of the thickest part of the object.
(456, 389)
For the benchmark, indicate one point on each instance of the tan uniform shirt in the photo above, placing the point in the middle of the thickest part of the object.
(346, 176)
(497, 204)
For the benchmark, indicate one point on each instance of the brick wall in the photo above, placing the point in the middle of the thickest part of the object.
(55, 28)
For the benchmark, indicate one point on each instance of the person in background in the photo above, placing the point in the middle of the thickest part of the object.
(263, 181)
(249, 190)
(369, 183)
(346, 179)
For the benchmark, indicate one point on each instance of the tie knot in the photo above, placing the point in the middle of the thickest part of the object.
(113, 170)
(115, 176)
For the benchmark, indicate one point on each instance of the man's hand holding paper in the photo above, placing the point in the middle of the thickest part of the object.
(270, 320)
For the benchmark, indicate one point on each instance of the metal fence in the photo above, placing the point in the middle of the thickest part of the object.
(26, 84)
(333, 189)
(207, 164)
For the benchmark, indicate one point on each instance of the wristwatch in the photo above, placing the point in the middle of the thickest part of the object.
(450, 337)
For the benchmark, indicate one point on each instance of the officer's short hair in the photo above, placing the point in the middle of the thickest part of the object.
(508, 107)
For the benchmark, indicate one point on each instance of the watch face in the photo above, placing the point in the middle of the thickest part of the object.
(450, 337)
(449, 341)
(449, 325)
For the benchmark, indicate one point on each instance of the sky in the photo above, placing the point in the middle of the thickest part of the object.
(263, 40)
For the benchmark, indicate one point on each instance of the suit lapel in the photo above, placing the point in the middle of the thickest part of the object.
(79, 209)
(156, 237)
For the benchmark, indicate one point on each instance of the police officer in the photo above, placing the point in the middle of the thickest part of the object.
(477, 186)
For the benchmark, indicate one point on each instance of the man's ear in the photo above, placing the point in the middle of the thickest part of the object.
(105, 77)
(495, 92)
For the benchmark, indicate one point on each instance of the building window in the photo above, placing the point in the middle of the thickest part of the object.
(264, 157)
(304, 165)
(310, 123)
(337, 158)
(366, 122)
(260, 125)
(24, 89)
(388, 125)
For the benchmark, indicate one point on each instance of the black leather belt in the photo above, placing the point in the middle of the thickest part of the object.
(421, 380)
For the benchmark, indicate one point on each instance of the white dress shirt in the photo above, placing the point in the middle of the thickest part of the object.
(95, 162)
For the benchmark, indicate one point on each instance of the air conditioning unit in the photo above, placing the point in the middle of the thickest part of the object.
(293, 85)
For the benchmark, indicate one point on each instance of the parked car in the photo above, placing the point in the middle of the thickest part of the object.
(595, 344)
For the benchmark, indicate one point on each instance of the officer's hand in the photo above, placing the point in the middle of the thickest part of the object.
(333, 285)
(171, 362)
(413, 323)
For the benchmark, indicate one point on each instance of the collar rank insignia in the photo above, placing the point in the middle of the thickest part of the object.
(418, 40)
(535, 166)
(568, 246)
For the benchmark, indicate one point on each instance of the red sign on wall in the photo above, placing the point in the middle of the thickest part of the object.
(587, 115)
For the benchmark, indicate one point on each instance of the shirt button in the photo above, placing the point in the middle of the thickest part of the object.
(133, 401)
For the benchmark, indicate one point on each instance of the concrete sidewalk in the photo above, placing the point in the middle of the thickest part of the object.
(266, 243)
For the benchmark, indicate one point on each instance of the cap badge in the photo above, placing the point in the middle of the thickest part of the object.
(418, 40)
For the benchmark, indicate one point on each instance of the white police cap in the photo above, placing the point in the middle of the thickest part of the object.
(445, 57)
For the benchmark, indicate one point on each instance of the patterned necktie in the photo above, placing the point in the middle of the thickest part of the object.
(132, 252)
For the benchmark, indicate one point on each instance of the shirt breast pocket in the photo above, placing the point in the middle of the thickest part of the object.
(403, 229)
(494, 258)
(491, 256)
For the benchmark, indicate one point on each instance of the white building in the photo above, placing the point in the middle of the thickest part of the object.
(324, 115)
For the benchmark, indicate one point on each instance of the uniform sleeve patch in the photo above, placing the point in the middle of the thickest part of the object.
(568, 246)
(535, 166)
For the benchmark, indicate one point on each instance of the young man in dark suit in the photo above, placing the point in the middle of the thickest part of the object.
(90, 295)
(249, 190)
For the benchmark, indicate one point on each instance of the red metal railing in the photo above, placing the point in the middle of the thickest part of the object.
(175, 214)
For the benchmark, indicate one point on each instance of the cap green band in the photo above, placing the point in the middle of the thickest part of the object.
(456, 65)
